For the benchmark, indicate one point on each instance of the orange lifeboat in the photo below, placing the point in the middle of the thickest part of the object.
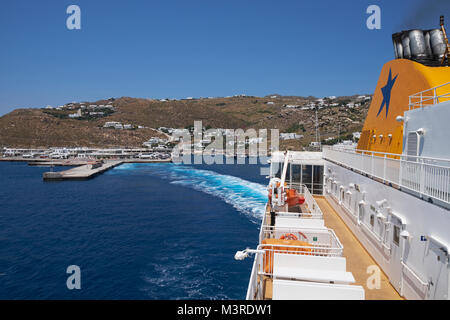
(285, 246)
(293, 198)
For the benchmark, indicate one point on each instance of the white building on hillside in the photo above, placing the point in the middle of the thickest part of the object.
(290, 136)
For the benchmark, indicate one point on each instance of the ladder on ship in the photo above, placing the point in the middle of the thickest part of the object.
(447, 46)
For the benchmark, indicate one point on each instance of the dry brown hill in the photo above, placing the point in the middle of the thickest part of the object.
(43, 127)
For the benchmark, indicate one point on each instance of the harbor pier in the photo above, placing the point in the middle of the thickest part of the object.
(82, 172)
(90, 170)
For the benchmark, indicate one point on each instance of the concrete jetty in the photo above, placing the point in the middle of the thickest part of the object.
(89, 170)
(58, 163)
(82, 172)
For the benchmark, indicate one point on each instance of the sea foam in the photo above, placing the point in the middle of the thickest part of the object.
(245, 196)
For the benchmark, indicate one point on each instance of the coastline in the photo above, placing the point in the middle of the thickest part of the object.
(74, 162)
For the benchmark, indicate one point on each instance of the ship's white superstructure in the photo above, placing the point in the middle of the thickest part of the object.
(398, 205)
(392, 191)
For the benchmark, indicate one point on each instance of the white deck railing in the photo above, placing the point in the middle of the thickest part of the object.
(430, 97)
(429, 177)
(309, 199)
(319, 241)
(301, 215)
(255, 285)
(329, 243)
(313, 209)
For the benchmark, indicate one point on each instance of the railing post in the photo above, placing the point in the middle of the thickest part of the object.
(400, 173)
(422, 179)
(362, 163)
(384, 169)
(371, 172)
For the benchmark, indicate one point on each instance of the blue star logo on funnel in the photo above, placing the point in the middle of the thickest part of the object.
(386, 90)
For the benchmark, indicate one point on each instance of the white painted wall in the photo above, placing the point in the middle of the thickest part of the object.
(420, 217)
(435, 121)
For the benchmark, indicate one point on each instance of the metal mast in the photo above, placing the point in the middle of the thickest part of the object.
(317, 131)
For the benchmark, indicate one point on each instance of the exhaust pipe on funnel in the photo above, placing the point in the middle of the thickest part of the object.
(417, 44)
(429, 47)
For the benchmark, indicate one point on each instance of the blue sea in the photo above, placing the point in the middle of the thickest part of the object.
(138, 231)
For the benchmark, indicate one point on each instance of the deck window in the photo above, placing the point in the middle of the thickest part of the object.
(307, 176)
(317, 179)
(277, 169)
(297, 174)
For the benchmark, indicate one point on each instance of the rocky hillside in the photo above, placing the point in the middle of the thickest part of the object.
(82, 124)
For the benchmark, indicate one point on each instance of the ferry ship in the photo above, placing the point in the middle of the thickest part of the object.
(388, 197)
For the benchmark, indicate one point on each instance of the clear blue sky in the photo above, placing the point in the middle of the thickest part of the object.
(175, 49)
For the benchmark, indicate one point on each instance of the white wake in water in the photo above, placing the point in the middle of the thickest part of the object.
(194, 268)
(245, 196)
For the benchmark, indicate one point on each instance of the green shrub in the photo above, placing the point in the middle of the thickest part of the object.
(295, 127)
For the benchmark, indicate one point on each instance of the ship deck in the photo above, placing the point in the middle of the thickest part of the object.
(358, 259)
